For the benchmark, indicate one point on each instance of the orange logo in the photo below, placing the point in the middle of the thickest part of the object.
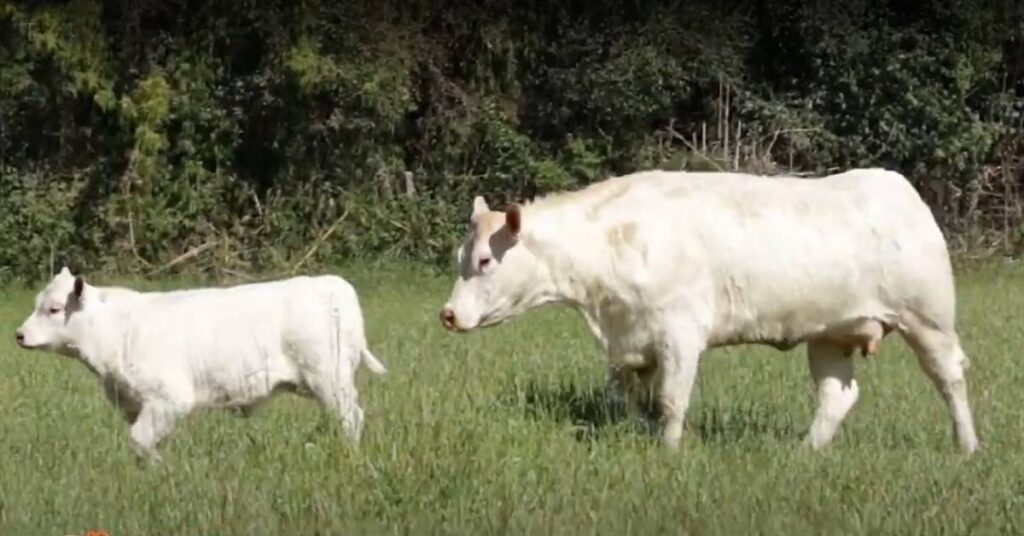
(96, 533)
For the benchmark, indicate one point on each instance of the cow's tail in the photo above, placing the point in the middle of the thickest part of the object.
(372, 362)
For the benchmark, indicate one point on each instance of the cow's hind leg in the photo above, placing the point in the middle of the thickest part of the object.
(943, 361)
(832, 372)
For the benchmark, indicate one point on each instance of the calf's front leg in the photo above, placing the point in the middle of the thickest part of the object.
(124, 403)
(154, 422)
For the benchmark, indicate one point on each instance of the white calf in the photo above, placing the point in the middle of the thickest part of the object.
(161, 355)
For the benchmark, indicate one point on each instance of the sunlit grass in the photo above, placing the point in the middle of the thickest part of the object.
(504, 431)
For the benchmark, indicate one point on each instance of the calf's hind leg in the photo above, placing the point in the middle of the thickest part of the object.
(942, 360)
(832, 372)
(334, 386)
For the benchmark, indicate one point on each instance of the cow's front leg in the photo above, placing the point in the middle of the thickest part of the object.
(647, 399)
(154, 422)
(618, 389)
(679, 357)
(630, 387)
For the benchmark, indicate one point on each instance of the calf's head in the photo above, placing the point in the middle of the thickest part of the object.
(57, 307)
(498, 276)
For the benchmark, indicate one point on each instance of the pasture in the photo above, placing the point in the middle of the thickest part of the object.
(503, 431)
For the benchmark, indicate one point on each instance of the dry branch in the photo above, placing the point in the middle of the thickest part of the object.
(190, 254)
(320, 240)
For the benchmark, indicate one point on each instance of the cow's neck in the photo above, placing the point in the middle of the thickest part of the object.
(578, 268)
(568, 271)
(102, 349)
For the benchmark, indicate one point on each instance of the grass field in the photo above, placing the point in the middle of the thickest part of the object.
(501, 432)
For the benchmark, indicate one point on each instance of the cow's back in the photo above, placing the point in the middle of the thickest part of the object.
(779, 255)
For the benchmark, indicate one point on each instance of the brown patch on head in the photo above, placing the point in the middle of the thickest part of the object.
(486, 224)
(622, 236)
(491, 227)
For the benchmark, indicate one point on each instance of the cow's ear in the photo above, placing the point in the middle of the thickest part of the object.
(79, 287)
(479, 207)
(514, 219)
(65, 271)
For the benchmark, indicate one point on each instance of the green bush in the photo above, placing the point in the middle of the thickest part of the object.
(276, 136)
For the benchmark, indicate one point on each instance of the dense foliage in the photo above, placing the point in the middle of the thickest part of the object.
(158, 135)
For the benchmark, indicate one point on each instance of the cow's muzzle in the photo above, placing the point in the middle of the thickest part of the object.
(448, 318)
(19, 337)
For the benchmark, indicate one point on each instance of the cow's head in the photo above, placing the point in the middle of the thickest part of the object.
(57, 307)
(499, 277)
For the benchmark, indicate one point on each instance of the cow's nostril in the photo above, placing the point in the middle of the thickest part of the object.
(448, 318)
(20, 337)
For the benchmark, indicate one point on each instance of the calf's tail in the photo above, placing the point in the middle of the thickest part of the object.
(372, 363)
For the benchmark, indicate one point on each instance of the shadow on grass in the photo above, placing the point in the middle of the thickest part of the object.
(593, 414)
(588, 408)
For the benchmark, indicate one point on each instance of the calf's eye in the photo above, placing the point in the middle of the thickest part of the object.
(54, 310)
(484, 262)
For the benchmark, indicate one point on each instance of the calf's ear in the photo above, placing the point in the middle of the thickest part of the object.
(514, 219)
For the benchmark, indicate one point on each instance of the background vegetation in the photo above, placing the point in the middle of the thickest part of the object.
(151, 136)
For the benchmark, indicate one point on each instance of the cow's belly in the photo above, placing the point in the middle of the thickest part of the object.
(241, 388)
(846, 318)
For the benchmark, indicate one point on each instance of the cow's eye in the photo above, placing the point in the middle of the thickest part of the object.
(484, 262)
(54, 309)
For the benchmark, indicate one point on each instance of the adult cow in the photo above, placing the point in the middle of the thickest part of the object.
(664, 265)
(161, 355)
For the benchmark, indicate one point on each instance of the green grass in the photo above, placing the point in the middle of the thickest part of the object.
(501, 431)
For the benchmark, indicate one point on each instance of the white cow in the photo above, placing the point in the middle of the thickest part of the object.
(663, 265)
(161, 355)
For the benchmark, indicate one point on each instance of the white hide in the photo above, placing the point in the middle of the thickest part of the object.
(664, 265)
(161, 355)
